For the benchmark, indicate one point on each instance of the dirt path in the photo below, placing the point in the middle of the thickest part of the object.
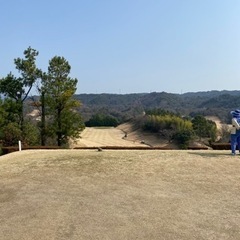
(120, 195)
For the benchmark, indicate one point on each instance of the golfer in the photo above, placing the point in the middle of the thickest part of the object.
(235, 131)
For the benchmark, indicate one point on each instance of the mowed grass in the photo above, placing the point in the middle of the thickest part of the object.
(137, 194)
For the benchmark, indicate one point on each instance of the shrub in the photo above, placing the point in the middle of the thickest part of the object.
(204, 128)
(11, 134)
(31, 135)
(183, 138)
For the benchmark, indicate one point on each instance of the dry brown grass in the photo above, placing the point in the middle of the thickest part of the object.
(108, 136)
(86, 194)
(104, 136)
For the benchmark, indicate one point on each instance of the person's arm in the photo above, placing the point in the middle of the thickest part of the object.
(235, 123)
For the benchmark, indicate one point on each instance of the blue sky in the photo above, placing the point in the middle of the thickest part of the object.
(129, 46)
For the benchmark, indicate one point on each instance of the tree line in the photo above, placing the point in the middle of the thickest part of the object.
(180, 129)
(59, 118)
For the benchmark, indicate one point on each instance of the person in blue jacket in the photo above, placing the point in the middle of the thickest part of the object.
(235, 131)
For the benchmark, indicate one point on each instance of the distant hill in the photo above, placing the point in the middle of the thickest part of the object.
(127, 106)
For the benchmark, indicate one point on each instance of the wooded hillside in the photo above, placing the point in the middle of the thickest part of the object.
(127, 106)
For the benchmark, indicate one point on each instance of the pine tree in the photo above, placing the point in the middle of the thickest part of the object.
(59, 89)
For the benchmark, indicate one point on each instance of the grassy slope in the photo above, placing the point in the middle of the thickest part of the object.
(86, 194)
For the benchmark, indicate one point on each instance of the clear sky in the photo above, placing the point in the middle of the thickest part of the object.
(129, 46)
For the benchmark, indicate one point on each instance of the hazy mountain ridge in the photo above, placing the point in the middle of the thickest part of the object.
(218, 103)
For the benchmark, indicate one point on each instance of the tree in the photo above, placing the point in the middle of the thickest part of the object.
(58, 92)
(183, 137)
(18, 88)
(40, 105)
(204, 128)
(101, 120)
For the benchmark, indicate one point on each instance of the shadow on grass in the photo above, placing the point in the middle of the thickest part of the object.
(212, 154)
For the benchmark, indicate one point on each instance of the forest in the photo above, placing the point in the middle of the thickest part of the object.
(126, 106)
